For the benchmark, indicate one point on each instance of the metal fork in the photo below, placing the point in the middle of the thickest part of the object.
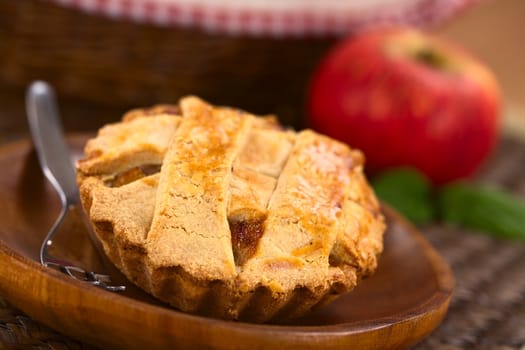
(57, 166)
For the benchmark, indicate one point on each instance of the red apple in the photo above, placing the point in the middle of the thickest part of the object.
(406, 98)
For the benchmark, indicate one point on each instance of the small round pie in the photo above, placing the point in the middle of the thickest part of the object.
(222, 213)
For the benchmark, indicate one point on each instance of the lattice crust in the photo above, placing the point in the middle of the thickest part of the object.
(139, 140)
(223, 213)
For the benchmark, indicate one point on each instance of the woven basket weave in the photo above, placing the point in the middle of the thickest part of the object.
(124, 64)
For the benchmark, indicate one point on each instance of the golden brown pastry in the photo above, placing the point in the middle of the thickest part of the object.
(222, 213)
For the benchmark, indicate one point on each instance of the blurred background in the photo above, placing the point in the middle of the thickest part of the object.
(103, 62)
(105, 57)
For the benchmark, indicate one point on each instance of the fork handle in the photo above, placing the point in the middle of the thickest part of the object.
(46, 130)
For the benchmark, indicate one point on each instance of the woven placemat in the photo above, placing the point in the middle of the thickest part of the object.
(18, 331)
(488, 307)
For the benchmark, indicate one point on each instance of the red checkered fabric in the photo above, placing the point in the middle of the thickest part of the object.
(270, 18)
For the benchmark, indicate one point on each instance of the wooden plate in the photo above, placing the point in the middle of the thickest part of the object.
(402, 303)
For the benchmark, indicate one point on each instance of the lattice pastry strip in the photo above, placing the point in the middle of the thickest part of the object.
(190, 227)
(300, 230)
(136, 141)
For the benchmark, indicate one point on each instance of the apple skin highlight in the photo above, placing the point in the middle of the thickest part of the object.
(406, 98)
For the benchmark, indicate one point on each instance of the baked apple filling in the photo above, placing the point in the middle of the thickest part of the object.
(245, 233)
(133, 174)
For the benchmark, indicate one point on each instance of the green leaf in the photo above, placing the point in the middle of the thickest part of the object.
(483, 208)
(409, 191)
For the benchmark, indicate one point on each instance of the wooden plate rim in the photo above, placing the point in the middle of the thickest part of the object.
(23, 265)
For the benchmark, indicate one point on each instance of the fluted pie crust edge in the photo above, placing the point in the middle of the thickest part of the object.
(222, 213)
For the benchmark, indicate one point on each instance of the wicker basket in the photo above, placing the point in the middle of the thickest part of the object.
(123, 64)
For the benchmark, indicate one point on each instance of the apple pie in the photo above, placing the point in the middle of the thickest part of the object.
(222, 213)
